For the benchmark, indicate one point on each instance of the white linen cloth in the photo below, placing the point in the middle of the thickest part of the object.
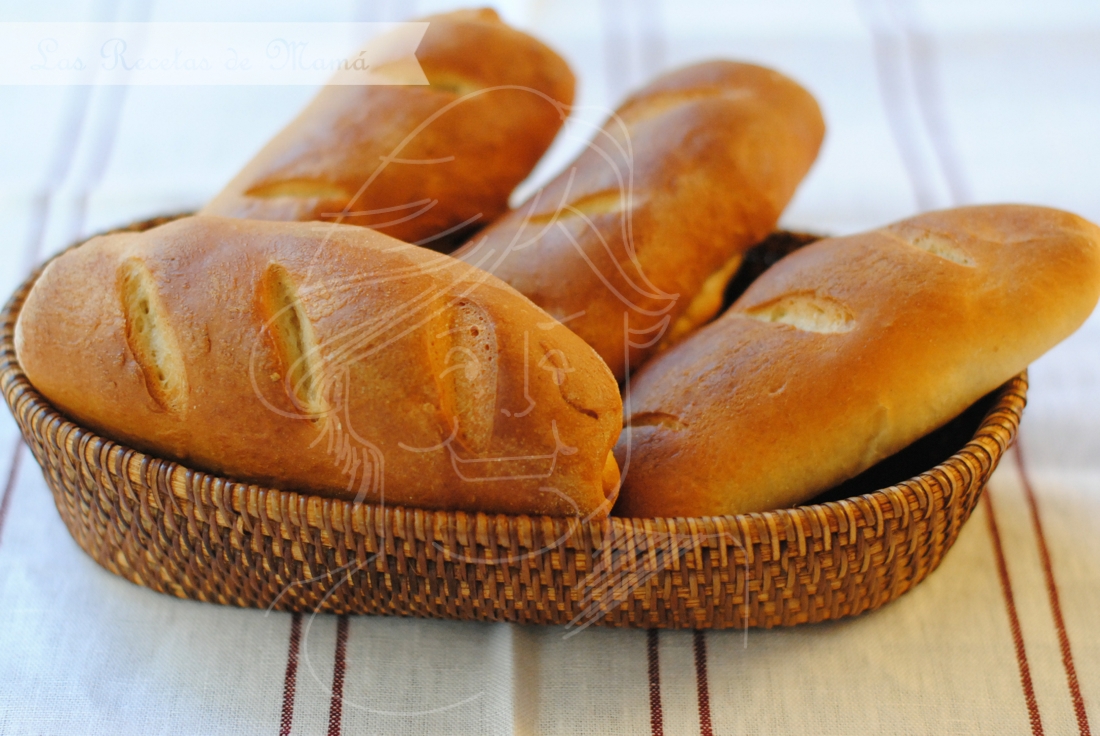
(927, 103)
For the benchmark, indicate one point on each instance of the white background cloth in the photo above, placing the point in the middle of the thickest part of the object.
(928, 104)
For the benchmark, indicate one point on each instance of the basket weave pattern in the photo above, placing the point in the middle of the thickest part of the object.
(193, 535)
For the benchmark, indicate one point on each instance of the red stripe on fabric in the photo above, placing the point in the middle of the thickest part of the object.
(290, 680)
(336, 707)
(1013, 619)
(705, 727)
(9, 486)
(1055, 602)
(656, 715)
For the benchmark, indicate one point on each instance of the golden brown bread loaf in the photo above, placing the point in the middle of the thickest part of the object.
(848, 350)
(380, 371)
(496, 100)
(636, 239)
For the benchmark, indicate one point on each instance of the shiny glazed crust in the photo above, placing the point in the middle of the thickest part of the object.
(690, 172)
(417, 162)
(325, 358)
(848, 350)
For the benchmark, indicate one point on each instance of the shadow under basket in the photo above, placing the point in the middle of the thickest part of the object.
(194, 535)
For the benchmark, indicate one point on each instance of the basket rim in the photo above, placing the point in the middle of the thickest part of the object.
(1002, 416)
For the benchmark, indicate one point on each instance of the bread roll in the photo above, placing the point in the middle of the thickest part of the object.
(417, 162)
(848, 350)
(633, 243)
(380, 372)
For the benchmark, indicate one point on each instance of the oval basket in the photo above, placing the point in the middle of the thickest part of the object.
(194, 535)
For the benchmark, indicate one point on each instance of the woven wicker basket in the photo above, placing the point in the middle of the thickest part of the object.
(194, 535)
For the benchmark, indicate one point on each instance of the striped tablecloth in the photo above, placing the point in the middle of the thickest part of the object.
(928, 104)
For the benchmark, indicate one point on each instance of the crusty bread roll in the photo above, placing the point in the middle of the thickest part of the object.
(380, 371)
(416, 162)
(634, 242)
(848, 350)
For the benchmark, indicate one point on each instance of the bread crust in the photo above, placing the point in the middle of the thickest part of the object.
(848, 350)
(496, 100)
(690, 172)
(379, 372)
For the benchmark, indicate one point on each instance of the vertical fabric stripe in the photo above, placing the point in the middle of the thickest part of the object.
(98, 141)
(891, 73)
(64, 151)
(616, 50)
(63, 154)
(633, 45)
(1052, 594)
(929, 98)
(651, 38)
(290, 679)
(1013, 619)
(705, 726)
(9, 486)
(656, 716)
(335, 710)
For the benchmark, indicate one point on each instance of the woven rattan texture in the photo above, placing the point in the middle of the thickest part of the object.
(193, 535)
